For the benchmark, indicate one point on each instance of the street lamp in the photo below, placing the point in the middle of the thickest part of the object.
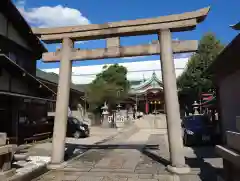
(85, 104)
(118, 95)
(118, 107)
(105, 108)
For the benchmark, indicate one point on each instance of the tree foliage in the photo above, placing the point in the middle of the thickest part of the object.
(195, 79)
(110, 85)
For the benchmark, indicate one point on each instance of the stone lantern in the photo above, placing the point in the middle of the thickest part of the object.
(105, 115)
(195, 107)
(135, 107)
(118, 107)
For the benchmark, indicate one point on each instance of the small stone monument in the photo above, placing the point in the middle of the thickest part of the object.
(105, 113)
(119, 117)
(6, 157)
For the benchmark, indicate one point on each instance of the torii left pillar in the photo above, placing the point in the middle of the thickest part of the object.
(61, 113)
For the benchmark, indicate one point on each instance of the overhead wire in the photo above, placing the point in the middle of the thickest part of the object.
(131, 71)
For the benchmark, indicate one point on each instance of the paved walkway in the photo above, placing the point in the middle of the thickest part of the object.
(126, 157)
(97, 135)
(40, 152)
(133, 155)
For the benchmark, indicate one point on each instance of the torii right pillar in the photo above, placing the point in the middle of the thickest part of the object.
(172, 104)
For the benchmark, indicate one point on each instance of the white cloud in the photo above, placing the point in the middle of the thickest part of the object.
(136, 70)
(47, 16)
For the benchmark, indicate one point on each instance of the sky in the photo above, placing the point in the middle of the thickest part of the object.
(57, 13)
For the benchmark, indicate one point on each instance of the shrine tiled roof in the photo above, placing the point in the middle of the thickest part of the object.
(152, 83)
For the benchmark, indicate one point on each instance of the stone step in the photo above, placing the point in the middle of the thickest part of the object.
(6, 149)
(20, 157)
(233, 139)
(7, 174)
(150, 122)
(228, 154)
(3, 138)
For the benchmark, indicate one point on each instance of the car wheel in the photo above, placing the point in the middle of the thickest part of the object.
(77, 134)
(87, 133)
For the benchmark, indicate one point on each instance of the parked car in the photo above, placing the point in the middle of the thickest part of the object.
(76, 128)
(197, 129)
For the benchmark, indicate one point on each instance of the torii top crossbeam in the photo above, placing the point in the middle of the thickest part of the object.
(176, 23)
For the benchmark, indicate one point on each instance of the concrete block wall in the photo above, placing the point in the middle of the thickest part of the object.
(152, 122)
(230, 101)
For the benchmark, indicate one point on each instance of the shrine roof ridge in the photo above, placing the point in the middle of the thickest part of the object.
(236, 26)
(148, 82)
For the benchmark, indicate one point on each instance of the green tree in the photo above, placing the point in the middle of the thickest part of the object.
(110, 85)
(195, 78)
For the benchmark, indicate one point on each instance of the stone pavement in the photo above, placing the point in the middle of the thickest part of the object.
(151, 121)
(40, 152)
(126, 157)
(135, 155)
(97, 135)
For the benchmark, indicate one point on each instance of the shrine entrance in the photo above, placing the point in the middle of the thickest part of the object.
(149, 96)
(165, 46)
(156, 107)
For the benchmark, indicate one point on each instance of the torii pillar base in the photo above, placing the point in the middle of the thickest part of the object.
(178, 170)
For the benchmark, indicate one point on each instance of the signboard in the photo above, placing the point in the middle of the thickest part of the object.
(206, 96)
(110, 119)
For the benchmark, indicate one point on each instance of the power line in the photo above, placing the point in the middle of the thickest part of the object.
(132, 71)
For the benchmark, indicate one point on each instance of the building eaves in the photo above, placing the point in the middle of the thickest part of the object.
(53, 78)
(11, 66)
(12, 13)
(228, 56)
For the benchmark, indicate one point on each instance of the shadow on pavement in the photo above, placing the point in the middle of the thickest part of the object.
(113, 146)
(143, 148)
(155, 157)
(70, 151)
(203, 163)
(205, 152)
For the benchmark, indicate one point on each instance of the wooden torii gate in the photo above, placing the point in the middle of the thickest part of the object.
(163, 27)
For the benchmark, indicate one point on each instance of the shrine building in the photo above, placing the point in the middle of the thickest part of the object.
(148, 95)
